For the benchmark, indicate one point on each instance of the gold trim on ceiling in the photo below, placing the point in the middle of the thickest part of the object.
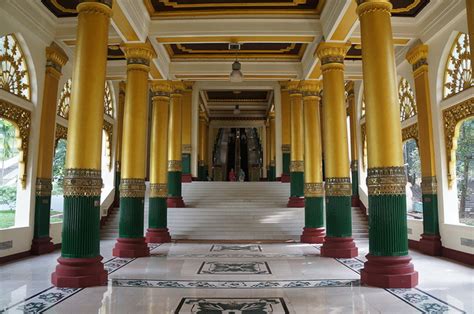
(230, 52)
(236, 39)
(62, 8)
(408, 8)
(176, 5)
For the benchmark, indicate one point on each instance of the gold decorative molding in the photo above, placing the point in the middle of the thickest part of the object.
(330, 53)
(82, 182)
(314, 189)
(286, 148)
(294, 88)
(410, 132)
(21, 118)
(429, 186)
(187, 148)
(56, 58)
(109, 130)
(132, 187)
(355, 165)
(161, 88)
(338, 186)
(138, 55)
(452, 118)
(311, 88)
(159, 190)
(175, 166)
(97, 7)
(386, 181)
(44, 187)
(418, 57)
(297, 166)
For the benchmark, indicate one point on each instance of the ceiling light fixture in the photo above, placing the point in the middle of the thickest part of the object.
(236, 75)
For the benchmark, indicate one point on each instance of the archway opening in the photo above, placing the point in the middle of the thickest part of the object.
(465, 172)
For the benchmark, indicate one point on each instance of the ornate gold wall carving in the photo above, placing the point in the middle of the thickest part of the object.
(452, 118)
(410, 132)
(22, 120)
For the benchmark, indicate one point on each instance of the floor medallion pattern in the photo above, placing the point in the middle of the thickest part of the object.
(52, 296)
(237, 305)
(235, 284)
(243, 255)
(234, 268)
(236, 247)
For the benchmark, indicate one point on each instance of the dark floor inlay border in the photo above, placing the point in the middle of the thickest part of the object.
(234, 268)
(232, 305)
(235, 284)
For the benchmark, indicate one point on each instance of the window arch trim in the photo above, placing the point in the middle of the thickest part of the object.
(464, 62)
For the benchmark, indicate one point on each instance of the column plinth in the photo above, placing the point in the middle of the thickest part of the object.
(388, 264)
(80, 263)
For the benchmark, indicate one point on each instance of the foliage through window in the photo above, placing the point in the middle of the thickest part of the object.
(64, 101)
(458, 75)
(14, 75)
(412, 161)
(407, 100)
(465, 172)
(59, 163)
(8, 173)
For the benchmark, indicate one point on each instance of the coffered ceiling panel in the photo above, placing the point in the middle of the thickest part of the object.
(176, 8)
(62, 8)
(276, 51)
(250, 103)
(408, 8)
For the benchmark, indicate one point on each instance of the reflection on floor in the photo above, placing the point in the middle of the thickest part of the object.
(235, 278)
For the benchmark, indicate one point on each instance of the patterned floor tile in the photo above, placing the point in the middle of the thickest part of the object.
(235, 268)
(236, 247)
(235, 305)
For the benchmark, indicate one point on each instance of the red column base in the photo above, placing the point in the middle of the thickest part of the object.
(355, 202)
(431, 245)
(131, 247)
(285, 178)
(339, 248)
(295, 202)
(186, 178)
(175, 202)
(313, 235)
(79, 273)
(389, 272)
(157, 235)
(42, 246)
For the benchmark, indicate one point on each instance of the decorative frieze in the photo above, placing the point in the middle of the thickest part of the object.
(286, 148)
(82, 182)
(355, 165)
(338, 186)
(429, 185)
(314, 189)
(187, 148)
(132, 188)
(175, 166)
(44, 187)
(386, 181)
(297, 166)
(410, 132)
(159, 190)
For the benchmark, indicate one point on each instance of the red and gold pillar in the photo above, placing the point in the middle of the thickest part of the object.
(388, 263)
(80, 262)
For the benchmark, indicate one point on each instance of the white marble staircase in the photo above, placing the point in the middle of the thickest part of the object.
(235, 211)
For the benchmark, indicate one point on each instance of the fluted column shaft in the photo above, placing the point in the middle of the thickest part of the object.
(285, 132)
(272, 147)
(339, 242)
(352, 109)
(118, 145)
(55, 60)
(431, 241)
(388, 261)
(202, 164)
(79, 264)
(131, 242)
(157, 231)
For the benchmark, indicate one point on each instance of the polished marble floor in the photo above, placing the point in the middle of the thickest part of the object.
(235, 278)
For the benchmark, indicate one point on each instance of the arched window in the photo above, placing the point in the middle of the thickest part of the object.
(412, 161)
(465, 171)
(458, 72)
(65, 100)
(14, 75)
(407, 100)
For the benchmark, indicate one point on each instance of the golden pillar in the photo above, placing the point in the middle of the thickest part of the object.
(55, 60)
(118, 145)
(297, 146)
(285, 131)
(157, 231)
(175, 167)
(203, 147)
(313, 231)
(352, 109)
(131, 242)
(268, 149)
(339, 242)
(430, 242)
(272, 147)
(80, 262)
(388, 264)
(186, 123)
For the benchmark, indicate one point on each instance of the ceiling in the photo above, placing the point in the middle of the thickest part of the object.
(220, 104)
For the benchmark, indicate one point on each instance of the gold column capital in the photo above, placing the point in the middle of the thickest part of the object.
(368, 6)
(294, 88)
(284, 85)
(160, 88)
(139, 55)
(330, 52)
(188, 85)
(178, 87)
(311, 88)
(418, 57)
(103, 7)
(56, 58)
